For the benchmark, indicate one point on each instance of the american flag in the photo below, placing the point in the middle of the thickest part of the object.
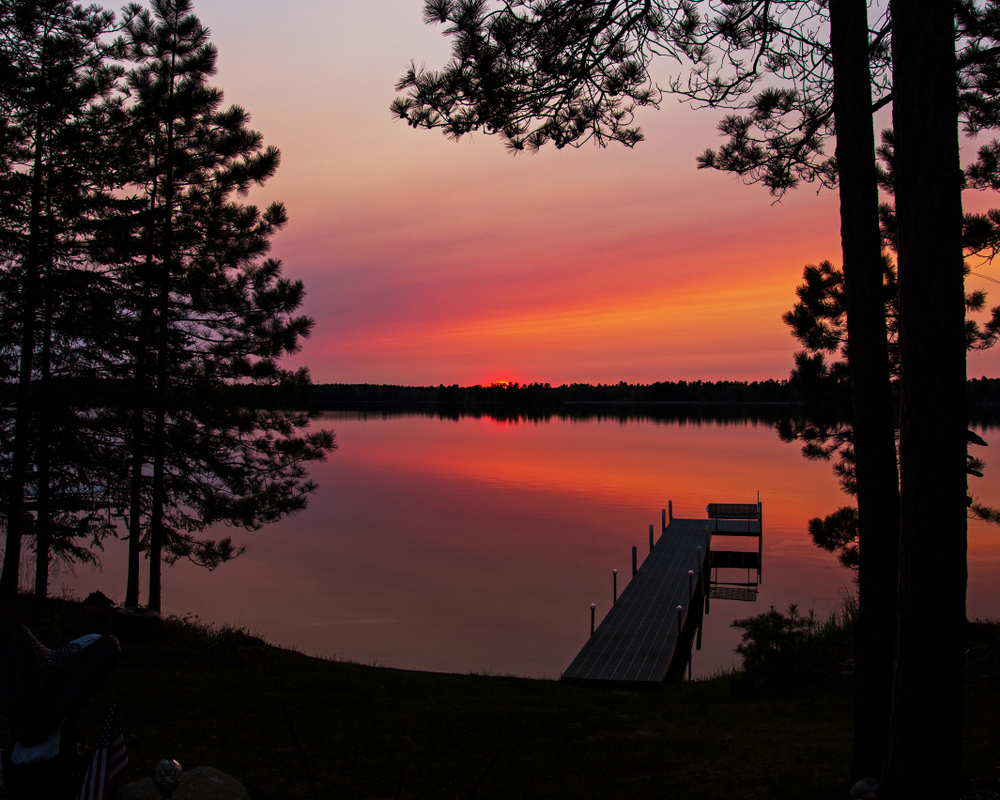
(109, 760)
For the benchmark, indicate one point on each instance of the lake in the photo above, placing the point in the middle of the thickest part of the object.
(477, 545)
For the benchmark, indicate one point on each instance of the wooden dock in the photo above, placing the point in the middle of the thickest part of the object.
(636, 643)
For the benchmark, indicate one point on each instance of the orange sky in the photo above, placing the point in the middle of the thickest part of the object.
(428, 261)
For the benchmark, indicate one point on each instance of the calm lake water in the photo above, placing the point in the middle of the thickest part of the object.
(477, 545)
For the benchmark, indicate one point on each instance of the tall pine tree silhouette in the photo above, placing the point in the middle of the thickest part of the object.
(210, 317)
(57, 93)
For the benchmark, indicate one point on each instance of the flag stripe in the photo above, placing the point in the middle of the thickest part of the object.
(110, 759)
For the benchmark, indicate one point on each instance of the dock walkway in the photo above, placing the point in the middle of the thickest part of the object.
(635, 643)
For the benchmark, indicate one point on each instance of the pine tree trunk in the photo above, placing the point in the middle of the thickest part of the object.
(42, 530)
(139, 405)
(135, 478)
(874, 429)
(22, 414)
(926, 732)
(159, 453)
(162, 359)
(137, 446)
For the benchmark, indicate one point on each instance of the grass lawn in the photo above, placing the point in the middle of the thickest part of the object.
(272, 718)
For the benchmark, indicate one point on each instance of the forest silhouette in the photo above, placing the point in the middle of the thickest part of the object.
(139, 302)
(132, 262)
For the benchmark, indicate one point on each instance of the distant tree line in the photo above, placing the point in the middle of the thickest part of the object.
(137, 304)
(769, 391)
(982, 392)
(768, 414)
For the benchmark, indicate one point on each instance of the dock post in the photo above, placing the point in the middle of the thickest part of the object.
(635, 561)
(663, 519)
(690, 586)
(615, 579)
(651, 537)
(760, 541)
(670, 509)
(680, 620)
(698, 640)
(592, 607)
(706, 574)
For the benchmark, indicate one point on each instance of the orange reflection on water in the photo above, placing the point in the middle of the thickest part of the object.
(642, 463)
(475, 546)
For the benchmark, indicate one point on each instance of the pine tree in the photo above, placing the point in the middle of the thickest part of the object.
(58, 81)
(211, 318)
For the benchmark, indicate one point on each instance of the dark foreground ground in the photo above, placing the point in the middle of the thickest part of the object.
(281, 723)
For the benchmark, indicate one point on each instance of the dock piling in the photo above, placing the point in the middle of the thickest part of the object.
(670, 510)
(690, 586)
(615, 579)
(635, 561)
(704, 567)
(592, 607)
(651, 537)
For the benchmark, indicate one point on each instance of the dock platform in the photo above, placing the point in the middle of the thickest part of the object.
(635, 643)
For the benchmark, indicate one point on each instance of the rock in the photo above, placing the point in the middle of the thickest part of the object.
(136, 623)
(200, 783)
(865, 789)
(100, 600)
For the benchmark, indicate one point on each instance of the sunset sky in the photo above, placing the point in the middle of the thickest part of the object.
(428, 261)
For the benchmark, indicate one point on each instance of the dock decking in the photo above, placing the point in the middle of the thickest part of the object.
(635, 643)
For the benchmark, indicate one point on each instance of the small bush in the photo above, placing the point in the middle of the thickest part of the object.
(785, 651)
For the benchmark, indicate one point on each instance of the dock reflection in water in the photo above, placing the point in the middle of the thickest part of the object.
(475, 545)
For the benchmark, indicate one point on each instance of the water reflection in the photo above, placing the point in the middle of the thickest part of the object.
(666, 413)
(981, 415)
(478, 543)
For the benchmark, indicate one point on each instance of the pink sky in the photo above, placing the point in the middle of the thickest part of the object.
(428, 261)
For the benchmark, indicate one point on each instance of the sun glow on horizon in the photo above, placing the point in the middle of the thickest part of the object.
(428, 261)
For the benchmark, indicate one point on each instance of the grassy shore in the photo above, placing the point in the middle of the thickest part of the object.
(281, 722)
